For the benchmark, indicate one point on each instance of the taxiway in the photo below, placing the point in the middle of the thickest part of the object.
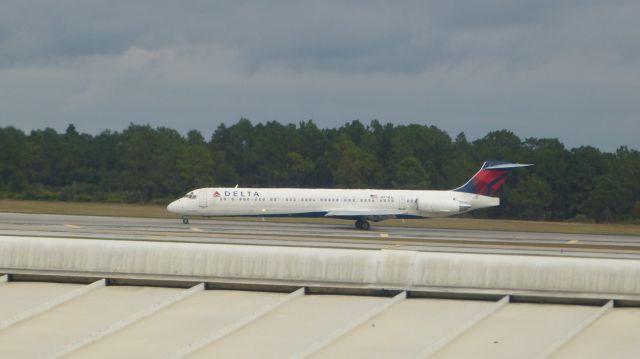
(266, 232)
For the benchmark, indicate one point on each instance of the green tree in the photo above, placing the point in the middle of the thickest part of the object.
(12, 152)
(461, 164)
(410, 174)
(196, 167)
(354, 167)
(586, 164)
(529, 199)
(234, 148)
(551, 161)
(607, 199)
(431, 146)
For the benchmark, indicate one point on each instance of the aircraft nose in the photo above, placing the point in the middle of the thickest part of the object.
(173, 207)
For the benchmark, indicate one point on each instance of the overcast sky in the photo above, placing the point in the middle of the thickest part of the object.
(565, 69)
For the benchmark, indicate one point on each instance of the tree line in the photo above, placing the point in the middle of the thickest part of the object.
(146, 164)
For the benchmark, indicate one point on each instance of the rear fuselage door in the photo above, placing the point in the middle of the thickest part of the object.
(202, 198)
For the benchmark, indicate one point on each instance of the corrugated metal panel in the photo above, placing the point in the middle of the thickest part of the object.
(615, 335)
(178, 325)
(71, 322)
(247, 324)
(406, 329)
(292, 328)
(517, 330)
(19, 297)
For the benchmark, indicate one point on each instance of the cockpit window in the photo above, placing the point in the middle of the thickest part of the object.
(190, 195)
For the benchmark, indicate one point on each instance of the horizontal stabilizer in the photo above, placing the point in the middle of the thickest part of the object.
(494, 165)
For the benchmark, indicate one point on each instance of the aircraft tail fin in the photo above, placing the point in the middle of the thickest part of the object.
(489, 178)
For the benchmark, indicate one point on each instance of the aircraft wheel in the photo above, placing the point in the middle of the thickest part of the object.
(359, 224)
(185, 220)
(365, 225)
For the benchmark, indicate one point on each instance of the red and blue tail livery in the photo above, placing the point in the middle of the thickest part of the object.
(488, 180)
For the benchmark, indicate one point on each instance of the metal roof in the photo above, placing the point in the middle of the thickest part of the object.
(49, 320)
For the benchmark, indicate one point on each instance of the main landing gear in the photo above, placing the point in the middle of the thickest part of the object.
(363, 224)
(185, 219)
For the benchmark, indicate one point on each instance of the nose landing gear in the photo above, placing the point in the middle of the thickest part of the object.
(185, 219)
(363, 224)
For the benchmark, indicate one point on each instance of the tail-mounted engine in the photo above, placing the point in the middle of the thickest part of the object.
(441, 207)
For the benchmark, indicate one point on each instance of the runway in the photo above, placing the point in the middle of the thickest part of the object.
(319, 235)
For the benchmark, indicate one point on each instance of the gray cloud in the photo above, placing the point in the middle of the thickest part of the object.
(564, 69)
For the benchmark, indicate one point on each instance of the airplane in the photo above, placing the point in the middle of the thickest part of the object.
(361, 205)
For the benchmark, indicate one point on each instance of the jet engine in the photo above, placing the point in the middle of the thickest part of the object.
(441, 207)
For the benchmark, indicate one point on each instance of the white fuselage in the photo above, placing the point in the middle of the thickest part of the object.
(372, 204)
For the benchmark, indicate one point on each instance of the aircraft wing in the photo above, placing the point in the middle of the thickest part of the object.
(364, 213)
